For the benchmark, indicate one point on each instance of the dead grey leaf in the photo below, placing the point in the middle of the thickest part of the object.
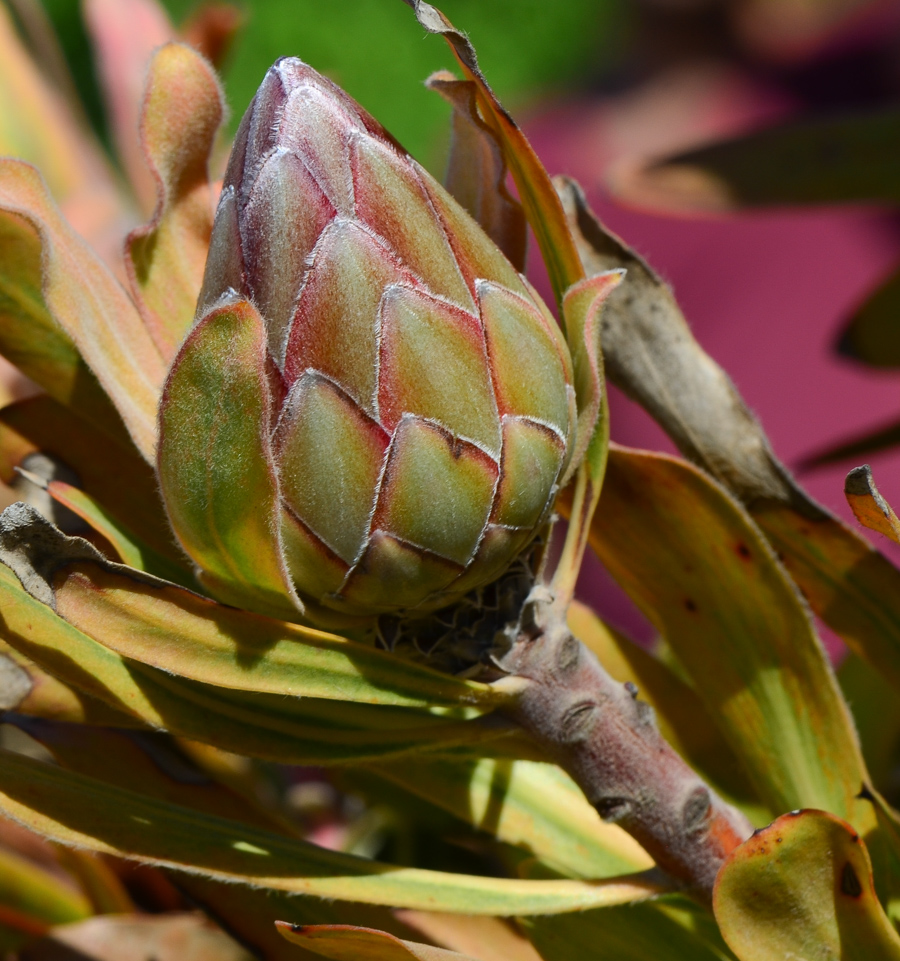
(651, 354)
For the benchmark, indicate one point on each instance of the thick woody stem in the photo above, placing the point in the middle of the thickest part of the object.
(607, 740)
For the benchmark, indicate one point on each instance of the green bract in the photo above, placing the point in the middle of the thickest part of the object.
(374, 403)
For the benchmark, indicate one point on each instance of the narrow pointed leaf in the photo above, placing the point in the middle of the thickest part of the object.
(539, 200)
(85, 299)
(535, 806)
(132, 551)
(651, 354)
(290, 730)
(476, 170)
(856, 448)
(346, 942)
(81, 811)
(32, 891)
(695, 563)
(168, 627)
(802, 888)
(867, 504)
(180, 115)
(844, 159)
(216, 468)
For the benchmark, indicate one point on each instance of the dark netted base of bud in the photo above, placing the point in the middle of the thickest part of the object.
(466, 637)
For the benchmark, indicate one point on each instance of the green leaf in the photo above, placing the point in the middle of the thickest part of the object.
(873, 335)
(695, 563)
(81, 811)
(802, 888)
(845, 159)
(856, 448)
(216, 469)
(32, 893)
(346, 942)
(532, 805)
(88, 303)
(180, 115)
(847, 582)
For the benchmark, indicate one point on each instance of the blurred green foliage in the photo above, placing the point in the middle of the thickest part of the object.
(379, 54)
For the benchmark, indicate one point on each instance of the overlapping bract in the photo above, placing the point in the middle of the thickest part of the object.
(422, 401)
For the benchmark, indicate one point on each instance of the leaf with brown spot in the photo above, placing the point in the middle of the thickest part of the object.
(802, 888)
(668, 533)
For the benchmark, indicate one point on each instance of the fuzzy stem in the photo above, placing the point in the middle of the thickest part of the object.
(607, 740)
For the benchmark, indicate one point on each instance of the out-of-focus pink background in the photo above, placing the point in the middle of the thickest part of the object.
(765, 292)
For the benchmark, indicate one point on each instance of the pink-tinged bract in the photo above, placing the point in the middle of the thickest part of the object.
(420, 403)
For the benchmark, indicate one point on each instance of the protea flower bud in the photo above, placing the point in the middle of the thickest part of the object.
(423, 402)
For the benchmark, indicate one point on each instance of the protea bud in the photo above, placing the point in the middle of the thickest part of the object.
(422, 408)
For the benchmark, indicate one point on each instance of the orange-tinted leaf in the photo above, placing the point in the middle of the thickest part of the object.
(345, 942)
(802, 888)
(37, 125)
(125, 33)
(180, 115)
(542, 206)
(867, 504)
(212, 28)
(476, 170)
(88, 303)
(488, 939)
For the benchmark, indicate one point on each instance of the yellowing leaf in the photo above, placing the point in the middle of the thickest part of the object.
(85, 299)
(535, 806)
(802, 888)
(180, 114)
(542, 207)
(867, 504)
